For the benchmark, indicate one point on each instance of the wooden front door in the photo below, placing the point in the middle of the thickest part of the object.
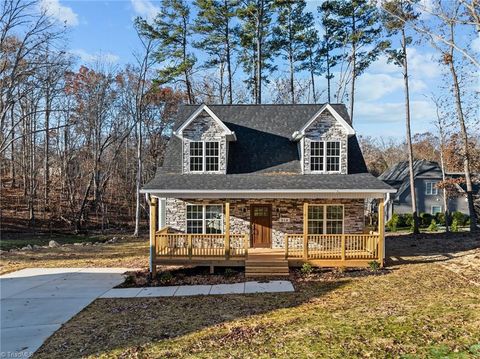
(261, 225)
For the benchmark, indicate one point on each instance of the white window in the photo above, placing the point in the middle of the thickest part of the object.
(430, 189)
(212, 156)
(204, 156)
(316, 156)
(436, 209)
(325, 219)
(206, 219)
(325, 156)
(196, 156)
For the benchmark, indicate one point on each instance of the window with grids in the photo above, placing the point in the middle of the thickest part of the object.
(212, 155)
(315, 219)
(194, 218)
(206, 219)
(325, 219)
(334, 220)
(316, 156)
(333, 156)
(204, 156)
(431, 189)
(325, 156)
(196, 156)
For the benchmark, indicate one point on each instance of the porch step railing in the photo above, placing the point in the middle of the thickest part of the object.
(200, 245)
(332, 246)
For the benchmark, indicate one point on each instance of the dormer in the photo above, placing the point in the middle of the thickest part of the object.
(323, 142)
(205, 141)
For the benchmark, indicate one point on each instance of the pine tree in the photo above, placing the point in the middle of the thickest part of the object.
(398, 56)
(330, 43)
(219, 37)
(172, 29)
(255, 39)
(290, 35)
(310, 59)
(357, 26)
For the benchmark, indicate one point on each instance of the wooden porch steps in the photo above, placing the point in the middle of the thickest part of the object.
(266, 263)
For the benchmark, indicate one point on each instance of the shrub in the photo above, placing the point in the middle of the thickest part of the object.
(454, 226)
(425, 219)
(460, 217)
(440, 218)
(165, 277)
(433, 227)
(374, 266)
(392, 224)
(229, 272)
(307, 269)
(408, 219)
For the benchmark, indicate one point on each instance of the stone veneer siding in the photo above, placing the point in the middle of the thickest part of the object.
(325, 128)
(204, 128)
(281, 208)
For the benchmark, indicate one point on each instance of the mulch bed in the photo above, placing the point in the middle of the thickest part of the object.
(202, 276)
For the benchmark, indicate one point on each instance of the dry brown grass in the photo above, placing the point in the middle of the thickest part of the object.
(421, 310)
(128, 252)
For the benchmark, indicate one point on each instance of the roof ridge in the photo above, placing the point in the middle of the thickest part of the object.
(264, 104)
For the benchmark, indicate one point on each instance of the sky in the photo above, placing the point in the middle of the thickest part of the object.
(104, 29)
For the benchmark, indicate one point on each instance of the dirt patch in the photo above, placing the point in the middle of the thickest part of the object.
(169, 276)
(458, 252)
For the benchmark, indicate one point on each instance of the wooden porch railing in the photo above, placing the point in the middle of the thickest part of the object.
(175, 245)
(333, 246)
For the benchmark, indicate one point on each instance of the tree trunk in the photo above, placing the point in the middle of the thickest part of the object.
(463, 130)
(259, 39)
(409, 136)
(139, 179)
(12, 149)
(229, 65)
(354, 70)
(328, 78)
(292, 81)
(46, 167)
(442, 165)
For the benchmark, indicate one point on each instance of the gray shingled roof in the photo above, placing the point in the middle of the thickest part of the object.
(270, 181)
(263, 157)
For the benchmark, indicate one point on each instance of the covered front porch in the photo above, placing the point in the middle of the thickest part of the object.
(271, 231)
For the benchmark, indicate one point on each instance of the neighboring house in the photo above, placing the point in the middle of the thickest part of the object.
(263, 186)
(429, 198)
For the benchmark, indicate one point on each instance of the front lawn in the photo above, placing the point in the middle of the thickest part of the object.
(415, 310)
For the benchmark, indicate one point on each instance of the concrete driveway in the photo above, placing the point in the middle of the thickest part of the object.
(36, 302)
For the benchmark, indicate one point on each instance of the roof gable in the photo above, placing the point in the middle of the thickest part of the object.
(327, 107)
(198, 112)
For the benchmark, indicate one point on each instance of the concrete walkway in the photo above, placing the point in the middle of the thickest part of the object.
(34, 303)
(275, 286)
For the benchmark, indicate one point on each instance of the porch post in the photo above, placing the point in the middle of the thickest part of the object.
(153, 239)
(305, 231)
(227, 230)
(381, 231)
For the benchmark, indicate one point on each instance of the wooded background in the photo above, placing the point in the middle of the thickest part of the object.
(78, 142)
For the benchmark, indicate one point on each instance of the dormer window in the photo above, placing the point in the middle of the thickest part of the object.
(325, 156)
(204, 156)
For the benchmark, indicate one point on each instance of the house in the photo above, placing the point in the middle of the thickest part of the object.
(429, 198)
(265, 187)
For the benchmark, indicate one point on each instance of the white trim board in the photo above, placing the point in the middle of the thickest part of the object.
(380, 193)
(349, 129)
